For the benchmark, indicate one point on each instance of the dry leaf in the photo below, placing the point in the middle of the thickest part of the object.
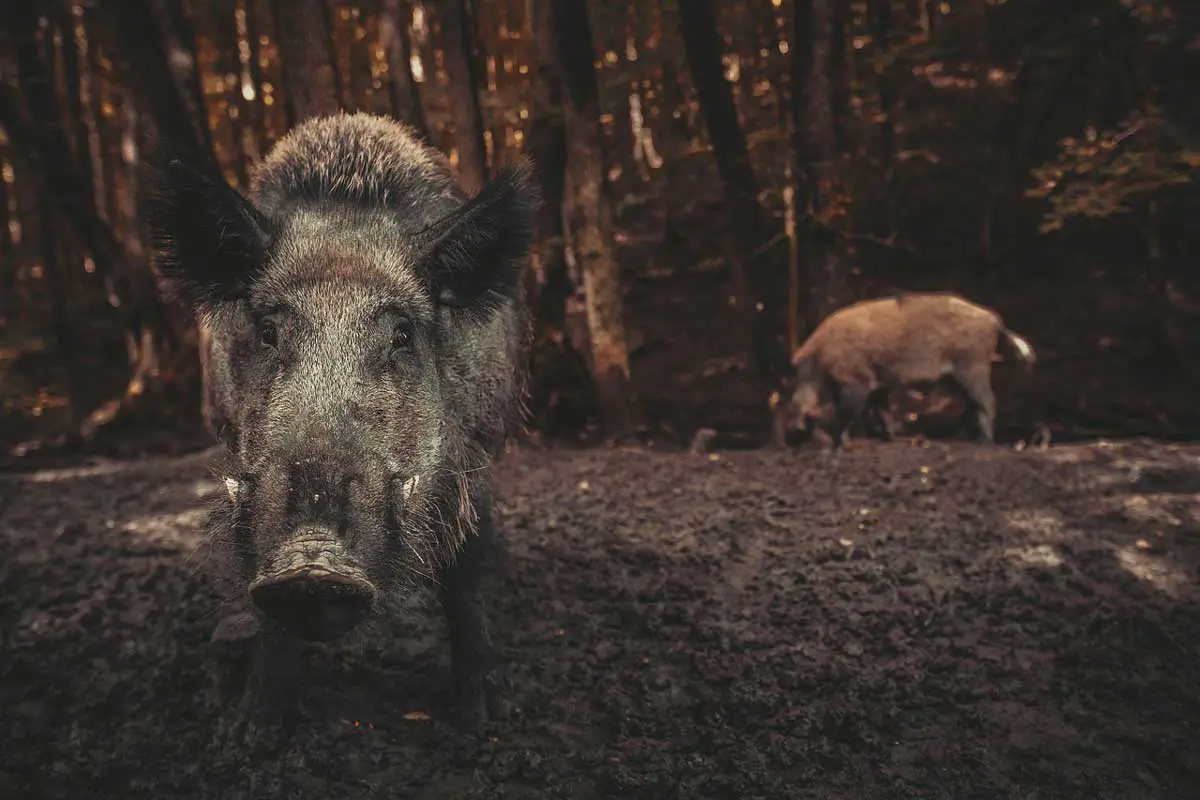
(417, 716)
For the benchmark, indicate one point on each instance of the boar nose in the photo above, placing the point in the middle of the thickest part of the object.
(313, 602)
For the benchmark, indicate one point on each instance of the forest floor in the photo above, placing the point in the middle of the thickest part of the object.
(940, 621)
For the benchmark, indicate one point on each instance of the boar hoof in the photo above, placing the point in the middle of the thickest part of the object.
(481, 698)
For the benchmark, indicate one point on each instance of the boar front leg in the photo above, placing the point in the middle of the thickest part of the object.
(978, 385)
(851, 402)
(477, 670)
(261, 689)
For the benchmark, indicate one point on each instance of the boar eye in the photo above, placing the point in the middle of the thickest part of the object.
(268, 334)
(402, 336)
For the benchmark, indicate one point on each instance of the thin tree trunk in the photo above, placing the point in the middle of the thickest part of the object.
(178, 44)
(588, 218)
(548, 147)
(881, 28)
(394, 19)
(457, 48)
(155, 63)
(816, 140)
(8, 263)
(309, 68)
(754, 298)
(249, 87)
(64, 336)
(839, 72)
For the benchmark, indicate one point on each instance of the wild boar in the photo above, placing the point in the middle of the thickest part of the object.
(879, 345)
(367, 348)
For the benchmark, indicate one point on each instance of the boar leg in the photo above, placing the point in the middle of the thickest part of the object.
(978, 385)
(264, 692)
(852, 400)
(476, 668)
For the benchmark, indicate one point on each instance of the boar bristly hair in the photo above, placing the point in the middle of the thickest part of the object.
(210, 241)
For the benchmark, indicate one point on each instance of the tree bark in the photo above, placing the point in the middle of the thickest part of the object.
(753, 294)
(588, 218)
(309, 70)
(548, 147)
(9, 303)
(881, 28)
(64, 336)
(457, 49)
(839, 71)
(816, 141)
(43, 142)
(157, 64)
(394, 20)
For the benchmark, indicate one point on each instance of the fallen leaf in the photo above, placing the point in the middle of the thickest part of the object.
(415, 716)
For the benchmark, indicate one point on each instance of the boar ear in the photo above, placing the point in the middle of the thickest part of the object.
(476, 256)
(210, 239)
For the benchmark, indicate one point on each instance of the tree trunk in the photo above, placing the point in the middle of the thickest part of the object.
(548, 147)
(309, 68)
(588, 218)
(839, 72)
(251, 111)
(457, 49)
(9, 303)
(881, 28)
(394, 20)
(156, 63)
(178, 45)
(753, 294)
(57, 286)
(816, 141)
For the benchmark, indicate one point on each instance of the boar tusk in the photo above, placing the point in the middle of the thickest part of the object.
(410, 486)
(231, 487)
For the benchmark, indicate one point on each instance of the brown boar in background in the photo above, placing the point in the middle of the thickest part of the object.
(880, 345)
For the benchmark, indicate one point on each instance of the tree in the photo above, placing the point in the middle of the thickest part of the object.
(458, 46)
(309, 69)
(816, 144)
(702, 46)
(393, 34)
(548, 147)
(587, 210)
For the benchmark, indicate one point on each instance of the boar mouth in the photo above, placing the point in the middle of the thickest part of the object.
(312, 592)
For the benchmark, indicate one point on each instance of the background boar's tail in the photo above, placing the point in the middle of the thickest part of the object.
(1020, 348)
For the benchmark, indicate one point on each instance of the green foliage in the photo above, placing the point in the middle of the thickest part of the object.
(1105, 173)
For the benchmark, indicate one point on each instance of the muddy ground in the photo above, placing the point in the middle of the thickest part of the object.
(949, 621)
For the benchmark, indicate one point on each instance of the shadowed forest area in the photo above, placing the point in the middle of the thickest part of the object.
(917, 618)
(718, 177)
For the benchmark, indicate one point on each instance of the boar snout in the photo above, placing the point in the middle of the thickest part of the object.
(312, 589)
(799, 429)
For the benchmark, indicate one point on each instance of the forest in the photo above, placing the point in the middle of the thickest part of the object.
(686, 610)
(731, 173)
